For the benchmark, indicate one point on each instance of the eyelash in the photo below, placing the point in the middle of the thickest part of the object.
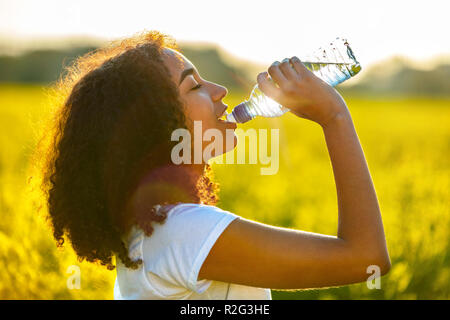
(196, 87)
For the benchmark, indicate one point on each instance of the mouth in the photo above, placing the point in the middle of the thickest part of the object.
(222, 118)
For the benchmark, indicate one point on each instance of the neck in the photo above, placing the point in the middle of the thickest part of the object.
(170, 184)
(197, 169)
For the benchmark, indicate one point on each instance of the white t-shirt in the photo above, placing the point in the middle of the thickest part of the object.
(173, 255)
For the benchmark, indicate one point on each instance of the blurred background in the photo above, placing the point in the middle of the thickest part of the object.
(400, 104)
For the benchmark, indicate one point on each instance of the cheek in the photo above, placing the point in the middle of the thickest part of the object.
(200, 108)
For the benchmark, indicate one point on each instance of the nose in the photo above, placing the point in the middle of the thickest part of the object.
(219, 92)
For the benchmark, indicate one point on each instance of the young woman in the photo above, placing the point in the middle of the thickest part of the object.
(113, 190)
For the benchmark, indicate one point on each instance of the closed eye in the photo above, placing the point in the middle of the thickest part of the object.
(197, 87)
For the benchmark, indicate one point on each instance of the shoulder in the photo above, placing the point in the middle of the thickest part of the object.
(191, 219)
(178, 247)
(184, 220)
(188, 227)
(195, 211)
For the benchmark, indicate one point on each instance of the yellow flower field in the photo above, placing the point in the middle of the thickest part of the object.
(407, 146)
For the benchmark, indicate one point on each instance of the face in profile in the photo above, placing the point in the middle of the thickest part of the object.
(202, 100)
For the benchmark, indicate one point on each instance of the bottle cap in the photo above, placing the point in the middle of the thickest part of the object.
(240, 114)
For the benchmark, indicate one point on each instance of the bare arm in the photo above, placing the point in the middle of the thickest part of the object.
(359, 217)
(260, 255)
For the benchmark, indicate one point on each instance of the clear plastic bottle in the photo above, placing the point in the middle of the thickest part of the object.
(333, 63)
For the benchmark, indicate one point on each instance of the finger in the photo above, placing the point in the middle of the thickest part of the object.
(300, 67)
(267, 86)
(277, 75)
(288, 70)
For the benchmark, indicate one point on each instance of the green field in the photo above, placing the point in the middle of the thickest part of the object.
(407, 145)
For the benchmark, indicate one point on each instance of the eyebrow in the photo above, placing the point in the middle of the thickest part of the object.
(186, 73)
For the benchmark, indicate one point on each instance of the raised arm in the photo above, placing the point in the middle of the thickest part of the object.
(261, 255)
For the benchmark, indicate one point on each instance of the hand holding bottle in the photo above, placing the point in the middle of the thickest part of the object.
(297, 88)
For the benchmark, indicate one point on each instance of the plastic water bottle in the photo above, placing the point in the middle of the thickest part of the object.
(334, 64)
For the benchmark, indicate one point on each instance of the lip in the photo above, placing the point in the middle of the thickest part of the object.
(223, 112)
(228, 124)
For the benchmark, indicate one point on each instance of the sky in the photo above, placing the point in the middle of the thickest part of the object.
(262, 31)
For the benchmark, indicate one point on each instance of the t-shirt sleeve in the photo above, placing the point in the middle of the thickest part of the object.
(177, 249)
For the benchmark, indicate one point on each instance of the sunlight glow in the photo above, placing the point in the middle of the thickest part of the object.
(262, 31)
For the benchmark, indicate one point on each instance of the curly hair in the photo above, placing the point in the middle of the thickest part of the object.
(116, 108)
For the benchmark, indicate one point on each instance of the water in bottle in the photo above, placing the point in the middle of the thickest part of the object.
(333, 63)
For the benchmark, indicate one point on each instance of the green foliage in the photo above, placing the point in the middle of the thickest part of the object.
(39, 66)
(406, 143)
(396, 77)
(45, 66)
(393, 76)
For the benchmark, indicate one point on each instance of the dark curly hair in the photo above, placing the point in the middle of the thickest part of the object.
(116, 108)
